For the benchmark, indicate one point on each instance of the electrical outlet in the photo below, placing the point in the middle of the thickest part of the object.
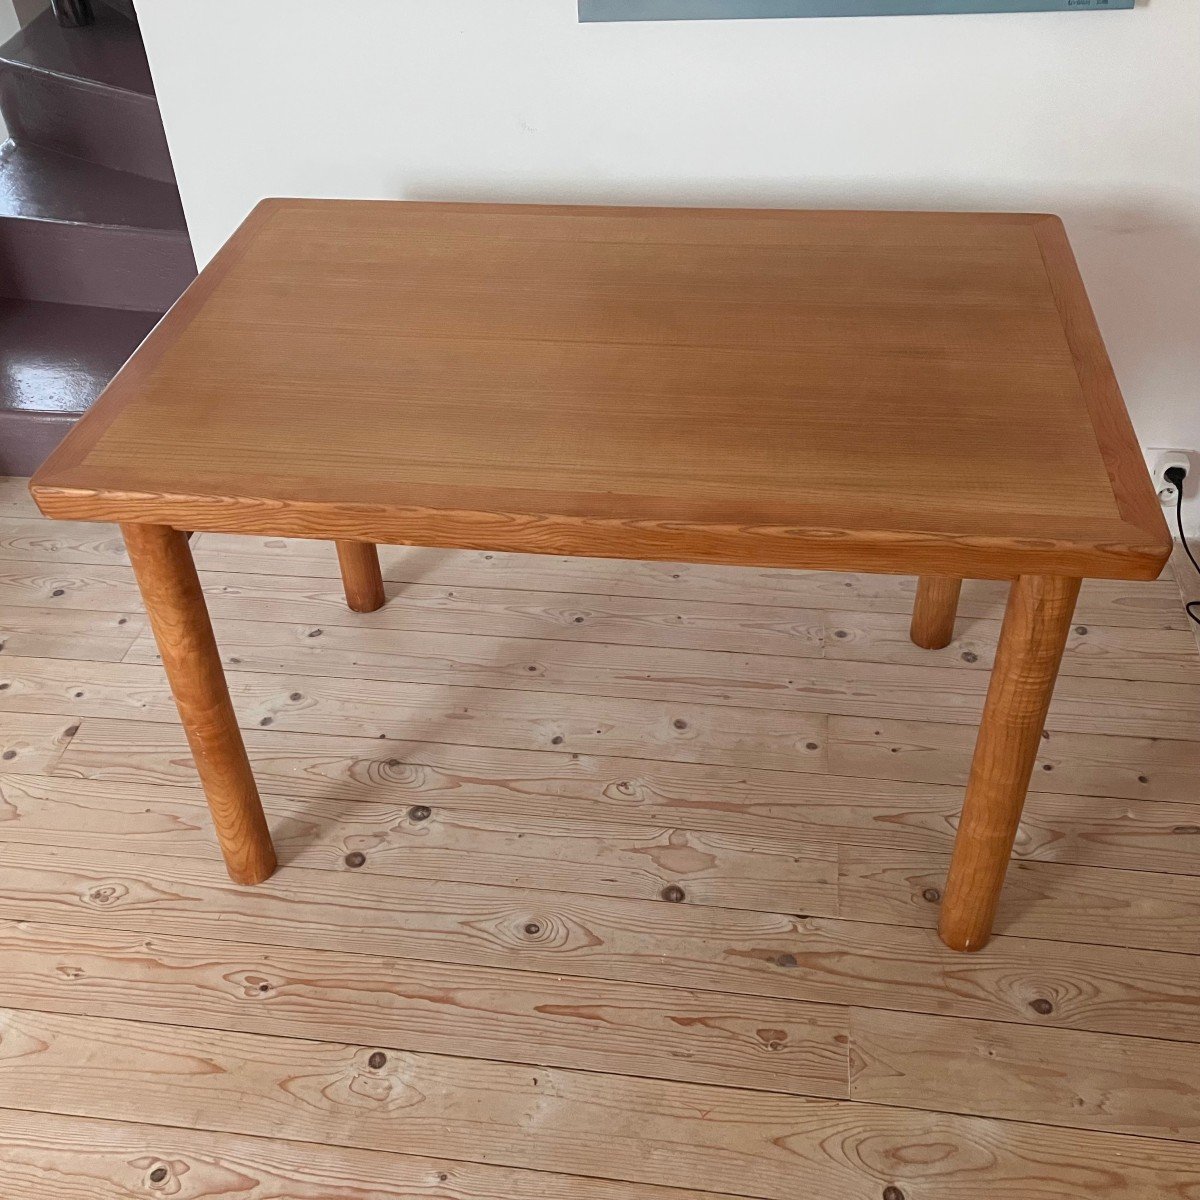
(1161, 461)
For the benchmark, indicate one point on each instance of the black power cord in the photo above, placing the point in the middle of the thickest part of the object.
(1176, 476)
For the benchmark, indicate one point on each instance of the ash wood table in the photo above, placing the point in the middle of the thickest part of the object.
(899, 392)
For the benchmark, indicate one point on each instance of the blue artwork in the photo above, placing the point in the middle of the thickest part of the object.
(700, 10)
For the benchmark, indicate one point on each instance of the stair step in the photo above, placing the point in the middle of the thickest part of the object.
(94, 265)
(108, 53)
(55, 359)
(58, 357)
(49, 186)
(86, 92)
(73, 232)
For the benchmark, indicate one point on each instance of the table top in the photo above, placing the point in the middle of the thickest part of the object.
(909, 392)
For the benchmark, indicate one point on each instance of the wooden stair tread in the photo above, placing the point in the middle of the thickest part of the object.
(108, 53)
(57, 358)
(44, 185)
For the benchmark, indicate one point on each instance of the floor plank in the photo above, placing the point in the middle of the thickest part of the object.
(644, 1131)
(516, 1016)
(789, 957)
(15, 500)
(69, 633)
(418, 608)
(1136, 768)
(1093, 651)
(845, 688)
(625, 873)
(813, 809)
(33, 744)
(1084, 1080)
(369, 707)
(735, 623)
(1040, 900)
(33, 539)
(78, 1158)
(471, 845)
(453, 715)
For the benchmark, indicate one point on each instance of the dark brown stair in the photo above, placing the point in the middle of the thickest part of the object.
(85, 92)
(93, 246)
(77, 348)
(40, 183)
(72, 232)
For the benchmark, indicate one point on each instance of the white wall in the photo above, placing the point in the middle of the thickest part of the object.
(1093, 115)
(8, 26)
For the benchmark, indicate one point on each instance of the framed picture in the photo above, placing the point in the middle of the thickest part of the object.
(702, 10)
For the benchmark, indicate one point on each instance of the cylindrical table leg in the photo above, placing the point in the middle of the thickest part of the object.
(361, 576)
(1036, 624)
(934, 611)
(166, 575)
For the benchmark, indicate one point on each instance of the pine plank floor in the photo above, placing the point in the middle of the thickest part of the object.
(600, 881)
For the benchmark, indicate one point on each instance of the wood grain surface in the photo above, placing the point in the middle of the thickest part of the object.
(836, 687)
(166, 576)
(1015, 715)
(934, 611)
(29, 742)
(744, 845)
(361, 579)
(1113, 908)
(1085, 1080)
(78, 1158)
(712, 947)
(644, 1131)
(784, 956)
(604, 858)
(633, 383)
(754, 702)
(522, 1016)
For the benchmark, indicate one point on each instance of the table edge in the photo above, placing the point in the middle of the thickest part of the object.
(786, 546)
(1132, 490)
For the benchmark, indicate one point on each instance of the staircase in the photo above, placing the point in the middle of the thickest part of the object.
(93, 246)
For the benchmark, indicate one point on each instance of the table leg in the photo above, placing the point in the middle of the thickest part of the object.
(361, 576)
(1036, 624)
(166, 575)
(934, 611)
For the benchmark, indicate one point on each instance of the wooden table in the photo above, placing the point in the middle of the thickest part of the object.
(919, 393)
